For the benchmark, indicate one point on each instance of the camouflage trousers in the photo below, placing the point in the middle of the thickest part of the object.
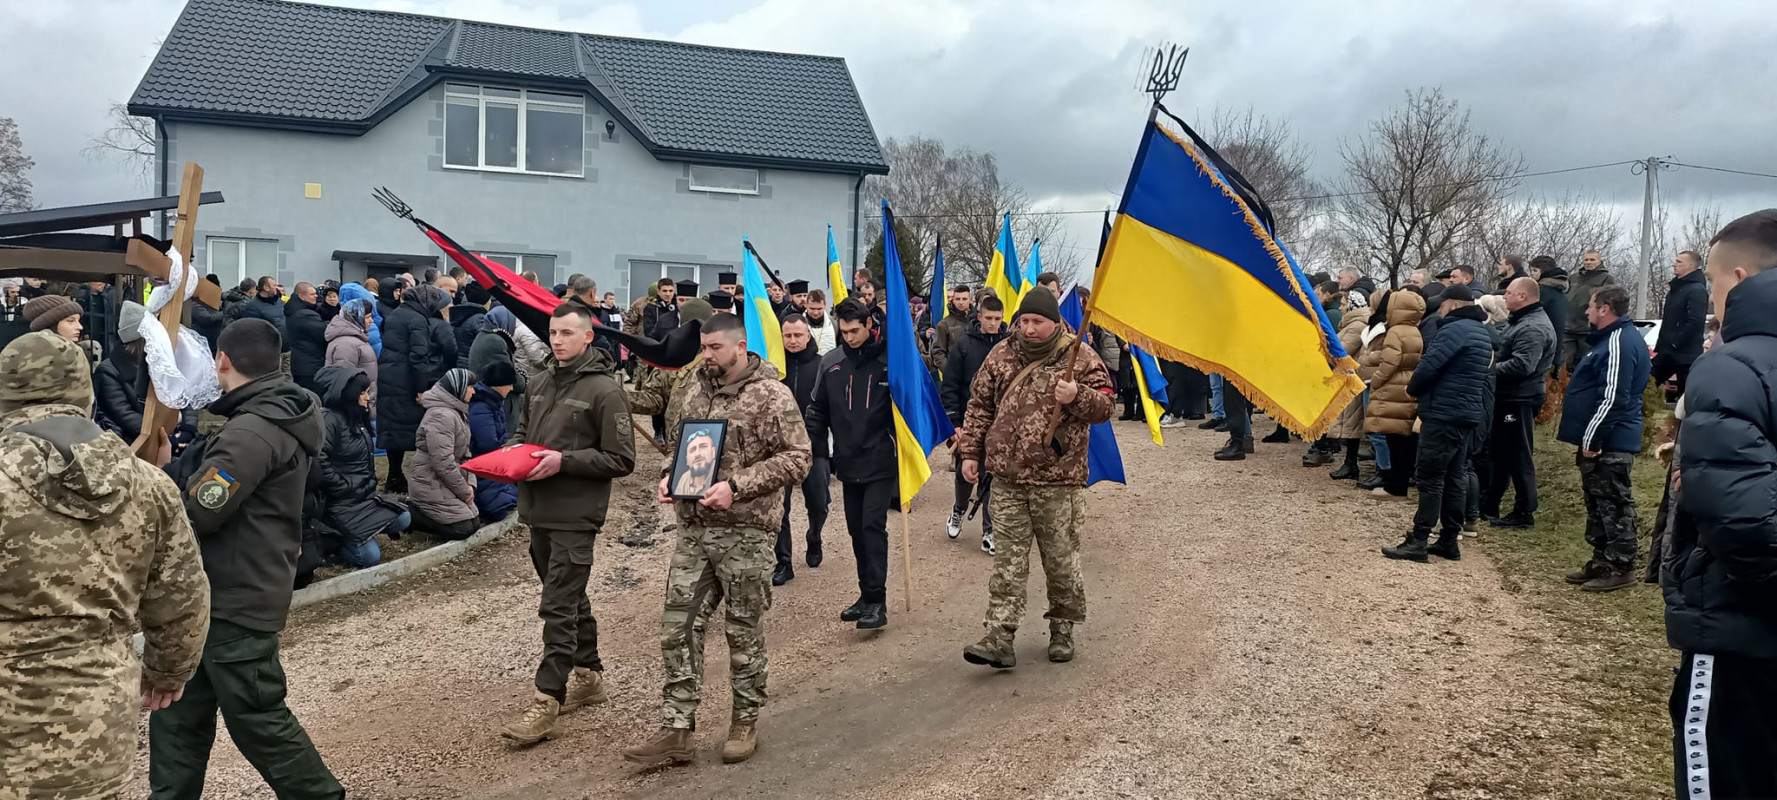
(1610, 507)
(711, 565)
(1051, 517)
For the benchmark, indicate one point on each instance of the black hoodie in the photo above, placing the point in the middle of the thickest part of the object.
(243, 491)
(802, 370)
(851, 399)
(966, 357)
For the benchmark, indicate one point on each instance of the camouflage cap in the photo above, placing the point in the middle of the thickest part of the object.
(42, 367)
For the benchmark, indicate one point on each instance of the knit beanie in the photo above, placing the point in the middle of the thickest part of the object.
(499, 373)
(41, 367)
(49, 310)
(129, 321)
(1041, 302)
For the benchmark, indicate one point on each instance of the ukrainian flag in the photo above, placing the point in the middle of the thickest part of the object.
(1193, 274)
(1150, 387)
(1104, 461)
(1002, 271)
(835, 274)
(920, 422)
(940, 295)
(1032, 269)
(763, 334)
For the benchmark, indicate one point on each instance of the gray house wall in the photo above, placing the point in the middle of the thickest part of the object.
(628, 207)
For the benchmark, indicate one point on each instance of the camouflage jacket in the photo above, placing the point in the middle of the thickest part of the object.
(93, 544)
(632, 317)
(1006, 426)
(662, 391)
(766, 447)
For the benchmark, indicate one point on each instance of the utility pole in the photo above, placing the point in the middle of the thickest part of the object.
(1651, 167)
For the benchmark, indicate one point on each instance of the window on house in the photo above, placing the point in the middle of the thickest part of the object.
(727, 180)
(544, 265)
(513, 130)
(236, 260)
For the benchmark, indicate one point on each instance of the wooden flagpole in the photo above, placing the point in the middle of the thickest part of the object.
(646, 434)
(907, 557)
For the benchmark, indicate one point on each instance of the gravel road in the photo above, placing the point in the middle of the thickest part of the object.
(1244, 639)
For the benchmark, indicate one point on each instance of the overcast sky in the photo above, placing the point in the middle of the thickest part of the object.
(1051, 86)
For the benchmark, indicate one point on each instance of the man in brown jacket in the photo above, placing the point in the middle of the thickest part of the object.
(727, 539)
(952, 328)
(577, 410)
(1038, 494)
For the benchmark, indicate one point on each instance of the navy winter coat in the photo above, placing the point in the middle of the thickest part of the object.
(487, 433)
(852, 400)
(270, 309)
(1682, 323)
(1720, 576)
(1603, 406)
(1451, 379)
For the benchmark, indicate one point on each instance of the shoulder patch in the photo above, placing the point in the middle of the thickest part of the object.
(214, 489)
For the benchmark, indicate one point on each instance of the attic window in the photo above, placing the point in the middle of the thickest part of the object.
(725, 180)
(513, 130)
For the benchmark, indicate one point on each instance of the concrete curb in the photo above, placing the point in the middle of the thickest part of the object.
(367, 579)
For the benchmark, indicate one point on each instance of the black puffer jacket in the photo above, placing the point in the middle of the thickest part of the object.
(418, 348)
(208, 323)
(305, 336)
(348, 460)
(1527, 350)
(802, 372)
(965, 360)
(1720, 577)
(1681, 324)
(851, 399)
(1451, 379)
(120, 390)
(1553, 288)
(270, 309)
(465, 325)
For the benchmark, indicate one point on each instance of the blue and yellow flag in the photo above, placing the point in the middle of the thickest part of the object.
(1002, 271)
(920, 422)
(940, 295)
(1192, 234)
(763, 334)
(1104, 461)
(835, 274)
(1033, 268)
(1150, 387)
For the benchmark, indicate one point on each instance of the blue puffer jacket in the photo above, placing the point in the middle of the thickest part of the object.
(1451, 379)
(1603, 406)
(487, 433)
(356, 291)
(1720, 575)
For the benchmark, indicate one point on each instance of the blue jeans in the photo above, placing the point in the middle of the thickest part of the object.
(1379, 444)
(1215, 397)
(369, 554)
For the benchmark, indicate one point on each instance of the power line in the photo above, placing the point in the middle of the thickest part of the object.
(1722, 169)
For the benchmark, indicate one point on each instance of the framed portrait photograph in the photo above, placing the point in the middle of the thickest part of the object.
(699, 455)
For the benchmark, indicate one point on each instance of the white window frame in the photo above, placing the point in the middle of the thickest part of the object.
(243, 269)
(459, 92)
(521, 258)
(692, 180)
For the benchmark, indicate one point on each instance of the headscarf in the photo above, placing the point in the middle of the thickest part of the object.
(355, 311)
(457, 381)
(504, 319)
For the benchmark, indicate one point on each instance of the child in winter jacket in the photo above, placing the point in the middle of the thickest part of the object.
(487, 433)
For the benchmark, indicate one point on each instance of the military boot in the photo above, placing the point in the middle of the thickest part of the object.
(585, 688)
(1231, 451)
(742, 741)
(1246, 445)
(1447, 547)
(994, 650)
(1411, 548)
(1612, 580)
(538, 722)
(1061, 641)
(671, 746)
(1593, 570)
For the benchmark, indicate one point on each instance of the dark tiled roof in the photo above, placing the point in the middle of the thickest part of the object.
(277, 62)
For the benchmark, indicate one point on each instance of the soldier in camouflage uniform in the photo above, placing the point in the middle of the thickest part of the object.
(662, 392)
(1037, 496)
(725, 543)
(93, 543)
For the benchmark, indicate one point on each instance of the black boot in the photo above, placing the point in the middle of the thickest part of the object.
(1347, 470)
(1246, 444)
(1411, 548)
(875, 616)
(782, 575)
(1213, 424)
(1279, 436)
(854, 612)
(1446, 547)
(1319, 454)
(814, 553)
(1232, 451)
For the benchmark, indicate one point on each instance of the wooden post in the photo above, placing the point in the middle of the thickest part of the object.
(646, 434)
(907, 559)
(157, 419)
(1073, 354)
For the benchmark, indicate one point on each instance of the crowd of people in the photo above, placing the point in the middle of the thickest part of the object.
(203, 554)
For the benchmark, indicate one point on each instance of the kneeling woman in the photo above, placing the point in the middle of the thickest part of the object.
(351, 505)
(441, 494)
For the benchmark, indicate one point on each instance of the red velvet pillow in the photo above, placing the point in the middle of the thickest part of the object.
(507, 464)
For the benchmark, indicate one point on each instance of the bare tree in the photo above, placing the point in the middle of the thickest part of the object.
(130, 140)
(1420, 184)
(15, 185)
(1562, 227)
(1670, 238)
(1275, 162)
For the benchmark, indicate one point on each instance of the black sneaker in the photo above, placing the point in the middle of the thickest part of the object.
(782, 575)
(854, 612)
(1279, 436)
(1513, 521)
(1213, 424)
(1232, 451)
(1446, 547)
(814, 555)
(875, 616)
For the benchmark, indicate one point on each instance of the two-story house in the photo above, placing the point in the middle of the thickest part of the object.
(627, 160)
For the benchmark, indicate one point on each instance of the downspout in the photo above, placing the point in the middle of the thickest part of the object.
(160, 157)
(857, 201)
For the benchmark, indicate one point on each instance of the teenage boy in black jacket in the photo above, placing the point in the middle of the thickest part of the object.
(966, 356)
(851, 399)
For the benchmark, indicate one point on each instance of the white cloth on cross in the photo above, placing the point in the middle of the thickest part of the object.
(183, 376)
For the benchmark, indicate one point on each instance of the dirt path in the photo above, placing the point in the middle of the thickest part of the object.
(1245, 639)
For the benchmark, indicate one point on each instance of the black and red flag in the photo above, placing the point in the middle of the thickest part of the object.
(532, 304)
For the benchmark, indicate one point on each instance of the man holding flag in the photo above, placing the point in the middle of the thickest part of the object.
(852, 401)
(1039, 478)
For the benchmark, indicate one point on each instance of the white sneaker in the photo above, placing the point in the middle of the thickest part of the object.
(955, 527)
(987, 544)
(1169, 421)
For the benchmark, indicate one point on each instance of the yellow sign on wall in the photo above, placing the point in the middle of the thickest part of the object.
(311, 191)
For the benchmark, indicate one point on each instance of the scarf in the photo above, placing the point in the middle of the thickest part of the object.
(1041, 351)
(355, 311)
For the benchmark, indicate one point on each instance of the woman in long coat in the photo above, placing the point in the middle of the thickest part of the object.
(418, 347)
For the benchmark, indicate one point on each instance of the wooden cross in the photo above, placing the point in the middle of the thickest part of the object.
(158, 420)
